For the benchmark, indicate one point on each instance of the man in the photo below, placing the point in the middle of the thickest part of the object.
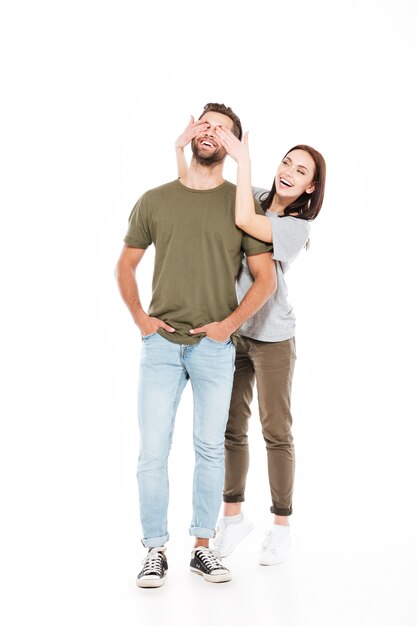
(188, 335)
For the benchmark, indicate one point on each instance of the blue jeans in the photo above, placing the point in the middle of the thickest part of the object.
(165, 368)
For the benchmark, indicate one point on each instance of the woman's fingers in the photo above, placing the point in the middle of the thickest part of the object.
(200, 126)
(234, 147)
(222, 138)
(191, 131)
(226, 131)
(196, 128)
(226, 135)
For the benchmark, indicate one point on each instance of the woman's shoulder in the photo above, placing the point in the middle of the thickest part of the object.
(260, 193)
(297, 223)
(290, 235)
(289, 223)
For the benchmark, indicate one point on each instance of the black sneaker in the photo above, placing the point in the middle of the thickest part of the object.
(208, 564)
(154, 570)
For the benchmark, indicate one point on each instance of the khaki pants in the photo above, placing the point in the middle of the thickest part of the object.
(272, 366)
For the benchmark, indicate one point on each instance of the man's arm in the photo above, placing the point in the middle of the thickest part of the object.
(263, 270)
(126, 279)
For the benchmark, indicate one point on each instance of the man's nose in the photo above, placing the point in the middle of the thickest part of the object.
(210, 130)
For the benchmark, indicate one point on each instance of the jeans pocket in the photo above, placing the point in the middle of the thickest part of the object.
(219, 343)
(145, 337)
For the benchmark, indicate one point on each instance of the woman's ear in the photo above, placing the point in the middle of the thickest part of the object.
(311, 188)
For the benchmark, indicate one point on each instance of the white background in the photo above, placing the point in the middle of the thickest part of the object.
(93, 96)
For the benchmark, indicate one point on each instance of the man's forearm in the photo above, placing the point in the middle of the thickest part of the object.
(128, 288)
(254, 299)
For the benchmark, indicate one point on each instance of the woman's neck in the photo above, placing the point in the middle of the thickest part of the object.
(277, 206)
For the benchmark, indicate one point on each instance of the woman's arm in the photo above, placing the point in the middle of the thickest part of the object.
(191, 131)
(246, 217)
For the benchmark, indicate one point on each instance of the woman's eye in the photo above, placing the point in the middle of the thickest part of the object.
(301, 172)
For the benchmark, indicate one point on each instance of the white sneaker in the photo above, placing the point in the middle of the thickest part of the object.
(229, 534)
(275, 546)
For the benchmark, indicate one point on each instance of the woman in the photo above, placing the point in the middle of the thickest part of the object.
(266, 344)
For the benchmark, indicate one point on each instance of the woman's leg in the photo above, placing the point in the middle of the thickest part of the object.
(274, 366)
(234, 527)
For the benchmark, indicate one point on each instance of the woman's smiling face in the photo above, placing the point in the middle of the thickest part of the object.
(295, 175)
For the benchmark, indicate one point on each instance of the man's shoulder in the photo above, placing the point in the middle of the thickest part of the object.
(174, 187)
(160, 190)
(229, 188)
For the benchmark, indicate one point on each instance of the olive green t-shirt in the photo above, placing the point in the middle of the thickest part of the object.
(198, 252)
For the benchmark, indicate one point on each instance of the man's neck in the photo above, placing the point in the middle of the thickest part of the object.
(203, 176)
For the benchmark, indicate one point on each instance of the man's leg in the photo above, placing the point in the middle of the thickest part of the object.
(210, 365)
(161, 381)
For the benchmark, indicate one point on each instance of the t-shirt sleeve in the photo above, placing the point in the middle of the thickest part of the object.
(250, 245)
(289, 236)
(138, 233)
(259, 193)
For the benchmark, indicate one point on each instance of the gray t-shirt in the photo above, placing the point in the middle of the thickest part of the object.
(275, 321)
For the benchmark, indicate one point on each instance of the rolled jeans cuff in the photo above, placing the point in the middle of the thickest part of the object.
(233, 498)
(155, 542)
(278, 511)
(202, 533)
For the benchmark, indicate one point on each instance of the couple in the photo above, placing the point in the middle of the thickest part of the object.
(208, 233)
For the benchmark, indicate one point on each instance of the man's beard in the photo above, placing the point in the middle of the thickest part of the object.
(216, 157)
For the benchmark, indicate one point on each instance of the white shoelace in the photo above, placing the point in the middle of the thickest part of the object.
(210, 558)
(272, 541)
(221, 538)
(152, 563)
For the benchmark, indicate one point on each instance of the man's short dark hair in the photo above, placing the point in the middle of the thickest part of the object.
(222, 108)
